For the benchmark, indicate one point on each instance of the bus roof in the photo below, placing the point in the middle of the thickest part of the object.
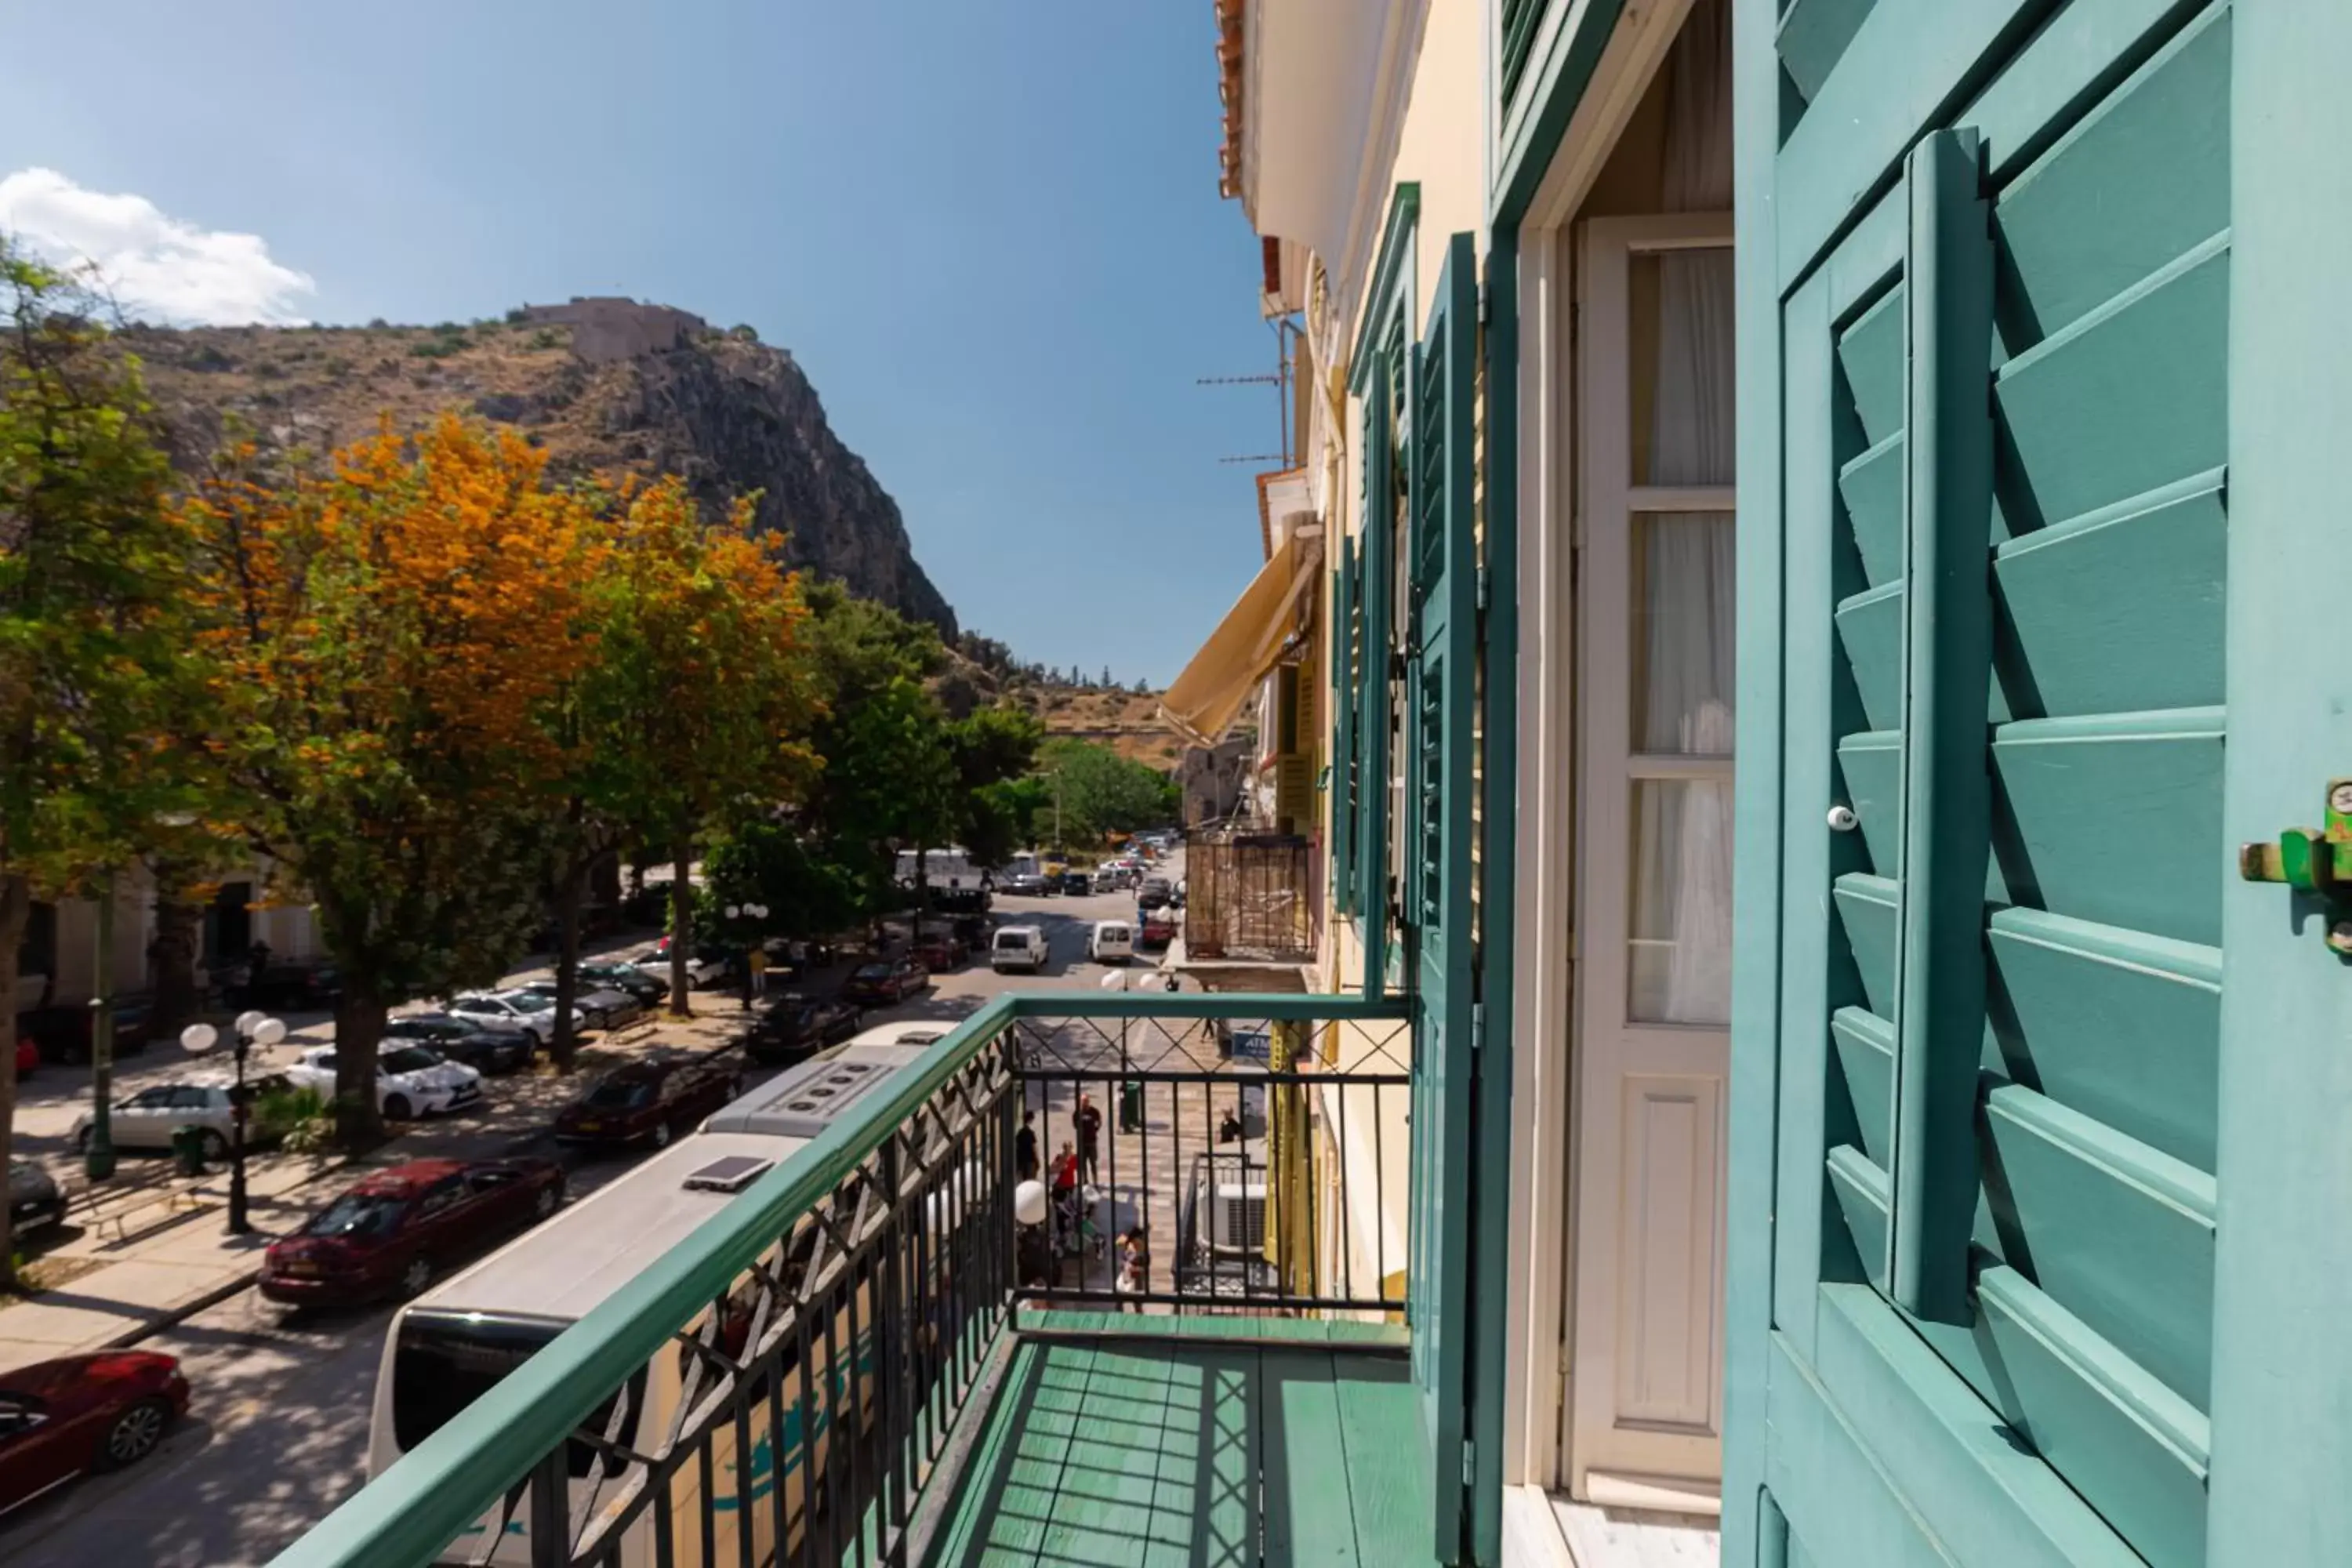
(572, 1263)
(590, 1249)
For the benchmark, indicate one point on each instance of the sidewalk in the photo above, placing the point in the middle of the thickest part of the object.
(153, 1252)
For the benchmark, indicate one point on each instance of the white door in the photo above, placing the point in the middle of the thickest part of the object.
(1655, 966)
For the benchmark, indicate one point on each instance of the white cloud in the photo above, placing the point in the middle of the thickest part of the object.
(154, 264)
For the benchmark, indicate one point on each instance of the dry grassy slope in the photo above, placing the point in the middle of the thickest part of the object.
(731, 417)
(1124, 720)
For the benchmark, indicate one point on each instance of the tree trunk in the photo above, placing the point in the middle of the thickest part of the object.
(172, 959)
(359, 1029)
(16, 910)
(681, 924)
(571, 889)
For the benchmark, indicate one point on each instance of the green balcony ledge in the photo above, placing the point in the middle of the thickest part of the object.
(409, 1515)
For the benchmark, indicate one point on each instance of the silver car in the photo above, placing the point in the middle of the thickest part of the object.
(598, 1006)
(529, 1010)
(148, 1119)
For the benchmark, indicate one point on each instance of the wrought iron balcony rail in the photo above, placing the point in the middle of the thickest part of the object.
(783, 1384)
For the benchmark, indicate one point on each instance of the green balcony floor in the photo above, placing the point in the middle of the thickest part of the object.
(1223, 1443)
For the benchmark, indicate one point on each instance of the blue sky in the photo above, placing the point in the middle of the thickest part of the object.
(989, 231)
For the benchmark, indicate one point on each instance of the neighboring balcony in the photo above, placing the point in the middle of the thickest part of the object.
(891, 1348)
(1249, 898)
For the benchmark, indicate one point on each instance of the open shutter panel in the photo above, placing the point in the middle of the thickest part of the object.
(1344, 744)
(2027, 418)
(1443, 583)
(1372, 718)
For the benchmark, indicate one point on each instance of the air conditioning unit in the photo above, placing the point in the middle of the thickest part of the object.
(1232, 1219)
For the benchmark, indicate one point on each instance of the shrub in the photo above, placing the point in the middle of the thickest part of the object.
(546, 338)
(301, 1119)
(744, 333)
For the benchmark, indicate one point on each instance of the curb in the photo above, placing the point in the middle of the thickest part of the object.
(181, 1313)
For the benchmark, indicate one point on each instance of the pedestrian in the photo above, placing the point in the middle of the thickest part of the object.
(1134, 1268)
(756, 961)
(1024, 1146)
(1089, 1121)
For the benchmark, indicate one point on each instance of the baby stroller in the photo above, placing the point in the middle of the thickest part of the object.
(1074, 1231)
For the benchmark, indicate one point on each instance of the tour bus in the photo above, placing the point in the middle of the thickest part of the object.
(453, 1344)
(945, 868)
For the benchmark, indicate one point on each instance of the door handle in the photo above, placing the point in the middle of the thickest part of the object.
(2314, 860)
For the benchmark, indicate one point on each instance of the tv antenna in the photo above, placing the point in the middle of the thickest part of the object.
(1280, 381)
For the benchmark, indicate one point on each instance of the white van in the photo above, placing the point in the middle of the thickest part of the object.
(1018, 947)
(1113, 941)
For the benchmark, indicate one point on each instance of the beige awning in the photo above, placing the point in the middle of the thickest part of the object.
(1201, 704)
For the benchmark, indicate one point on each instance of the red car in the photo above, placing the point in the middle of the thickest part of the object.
(393, 1231)
(1157, 928)
(941, 950)
(648, 1102)
(888, 980)
(28, 1056)
(60, 1418)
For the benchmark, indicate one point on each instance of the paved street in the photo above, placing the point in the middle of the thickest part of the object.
(278, 1433)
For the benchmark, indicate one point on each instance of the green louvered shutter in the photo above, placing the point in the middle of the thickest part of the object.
(1374, 720)
(1346, 671)
(1442, 687)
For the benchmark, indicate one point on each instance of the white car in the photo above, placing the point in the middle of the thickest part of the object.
(529, 1010)
(148, 1119)
(410, 1080)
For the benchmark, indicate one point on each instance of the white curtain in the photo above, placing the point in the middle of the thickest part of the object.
(1680, 964)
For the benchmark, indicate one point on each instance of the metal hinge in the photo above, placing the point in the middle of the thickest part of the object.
(1482, 303)
(1469, 1462)
(1485, 587)
(1477, 1026)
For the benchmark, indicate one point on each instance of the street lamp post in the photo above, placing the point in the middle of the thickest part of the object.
(98, 1160)
(252, 1028)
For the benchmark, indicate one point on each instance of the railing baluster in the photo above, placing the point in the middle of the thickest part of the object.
(550, 1509)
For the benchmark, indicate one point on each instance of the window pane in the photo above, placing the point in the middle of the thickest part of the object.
(1683, 653)
(1678, 965)
(1683, 399)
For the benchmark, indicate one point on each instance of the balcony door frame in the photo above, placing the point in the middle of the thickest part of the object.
(1651, 1119)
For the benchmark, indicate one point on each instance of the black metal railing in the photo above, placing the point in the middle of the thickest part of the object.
(784, 1386)
(1224, 1141)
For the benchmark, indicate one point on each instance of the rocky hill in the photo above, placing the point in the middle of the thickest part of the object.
(605, 385)
(1127, 721)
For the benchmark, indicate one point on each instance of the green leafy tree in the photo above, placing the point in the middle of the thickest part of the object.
(387, 636)
(92, 569)
(1101, 792)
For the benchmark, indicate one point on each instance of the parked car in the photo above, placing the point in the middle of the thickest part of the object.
(35, 1202)
(289, 987)
(597, 1006)
(529, 1010)
(888, 980)
(491, 1050)
(1111, 879)
(1111, 942)
(29, 1057)
(1156, 929)
(941, 950)
(646, 987)
(1022, 948)
(410, 1080)
(391, 1232)
(1078, 882)
(1025, 884)
(148, 1119)
(62, 1418)
(648, 1102)
(61, 1033)
(709, 965)
(801, 1025)
(1153, 893)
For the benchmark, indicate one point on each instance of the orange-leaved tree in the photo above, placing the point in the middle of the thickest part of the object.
(702, 684)
(387, 636)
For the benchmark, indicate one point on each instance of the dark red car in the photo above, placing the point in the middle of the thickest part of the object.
(393, 1231)
(60, 1418)
(941, 950)
(888, 980)
(648, 1102)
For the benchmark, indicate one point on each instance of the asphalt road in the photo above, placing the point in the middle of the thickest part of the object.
(277, 1436)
